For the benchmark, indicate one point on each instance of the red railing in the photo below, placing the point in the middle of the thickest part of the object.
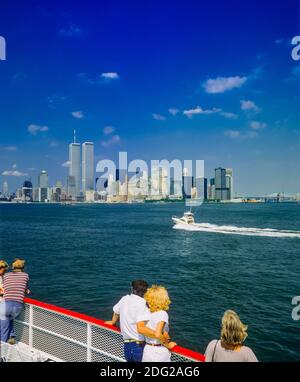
(178, 350)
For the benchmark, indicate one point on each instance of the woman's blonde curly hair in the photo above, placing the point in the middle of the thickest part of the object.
(157, 298)
(233, 332)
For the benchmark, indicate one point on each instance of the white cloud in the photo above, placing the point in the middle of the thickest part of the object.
(108, 130)
(55, 100)
(110, 75)
(249, 106)
(173, 111)
(14, 166)
(100, 79)
(54, 143)
(114, 140)
(235, 134)
(198, 110)
(77, 114)
(229, 115)
(232, 134)
(223, 84)
(255, 125)
(66, 164)
(72, 31)
(158, 117)
(14, 173)
(10, 148)
(34, 129)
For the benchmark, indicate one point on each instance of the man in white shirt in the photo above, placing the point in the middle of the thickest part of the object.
(130, 310)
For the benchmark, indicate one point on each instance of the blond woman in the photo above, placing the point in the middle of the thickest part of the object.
(157, 319)
(230, 348)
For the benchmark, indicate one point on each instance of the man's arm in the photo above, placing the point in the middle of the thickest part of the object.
(114, 320)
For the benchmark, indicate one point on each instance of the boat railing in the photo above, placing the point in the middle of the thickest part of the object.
(67, 336)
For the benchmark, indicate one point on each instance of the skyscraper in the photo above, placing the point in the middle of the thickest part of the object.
(43, 179)
(201, 186)
(212, 189)
(43, 186)
(87, 166)
(5, 189)
(71, 187)
(229, 182)
(27, 191)
(222, 191)
(187, 184)
(74, 168)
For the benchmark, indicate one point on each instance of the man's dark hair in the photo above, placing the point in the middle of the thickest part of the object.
(139, 287)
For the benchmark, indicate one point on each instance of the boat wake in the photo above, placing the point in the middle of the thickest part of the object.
(232, 230)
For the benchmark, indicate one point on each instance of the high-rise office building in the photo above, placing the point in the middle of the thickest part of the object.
(212, 189)
(43, 186)
(87, 167)
(221, 189)
(155, 181)
(229, 182)
(5, 189)
(187, 184)
(43, 179)
(201, 188)
(71, 187)
(74, 167)
(27, 188)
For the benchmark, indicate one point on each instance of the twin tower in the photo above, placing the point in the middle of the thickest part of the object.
(81, 166)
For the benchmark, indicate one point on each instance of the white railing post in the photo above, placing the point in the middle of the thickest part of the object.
(30, 326)
(89, 343)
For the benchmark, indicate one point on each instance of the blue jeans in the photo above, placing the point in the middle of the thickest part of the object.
(10, 311)
(133, 352)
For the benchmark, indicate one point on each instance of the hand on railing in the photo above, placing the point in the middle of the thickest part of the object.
(171, 345)
(110, 323)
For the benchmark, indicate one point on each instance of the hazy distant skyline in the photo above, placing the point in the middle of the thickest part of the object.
(160, 80)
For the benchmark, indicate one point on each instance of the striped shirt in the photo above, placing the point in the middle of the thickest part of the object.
(15, 285)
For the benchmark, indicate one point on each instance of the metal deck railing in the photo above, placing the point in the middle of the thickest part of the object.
(66, 336)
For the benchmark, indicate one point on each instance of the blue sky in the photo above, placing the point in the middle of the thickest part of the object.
(158, 79)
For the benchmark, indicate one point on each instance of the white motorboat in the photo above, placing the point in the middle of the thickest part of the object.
(187, 218)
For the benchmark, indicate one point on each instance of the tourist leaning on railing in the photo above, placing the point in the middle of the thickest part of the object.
(230, 347)
(157, 319)
(129, 311)
(15, 286)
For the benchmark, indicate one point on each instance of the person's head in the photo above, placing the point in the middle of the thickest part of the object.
(3, 267)
(157, 298)
(18, 265)
(233, 332)
(139, 287)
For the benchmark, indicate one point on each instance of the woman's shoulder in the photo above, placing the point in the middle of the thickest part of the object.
(249, 354)
(210, 349)
(162, 315)
(212, 344)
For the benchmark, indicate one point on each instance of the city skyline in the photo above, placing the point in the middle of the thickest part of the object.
(153, 89)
